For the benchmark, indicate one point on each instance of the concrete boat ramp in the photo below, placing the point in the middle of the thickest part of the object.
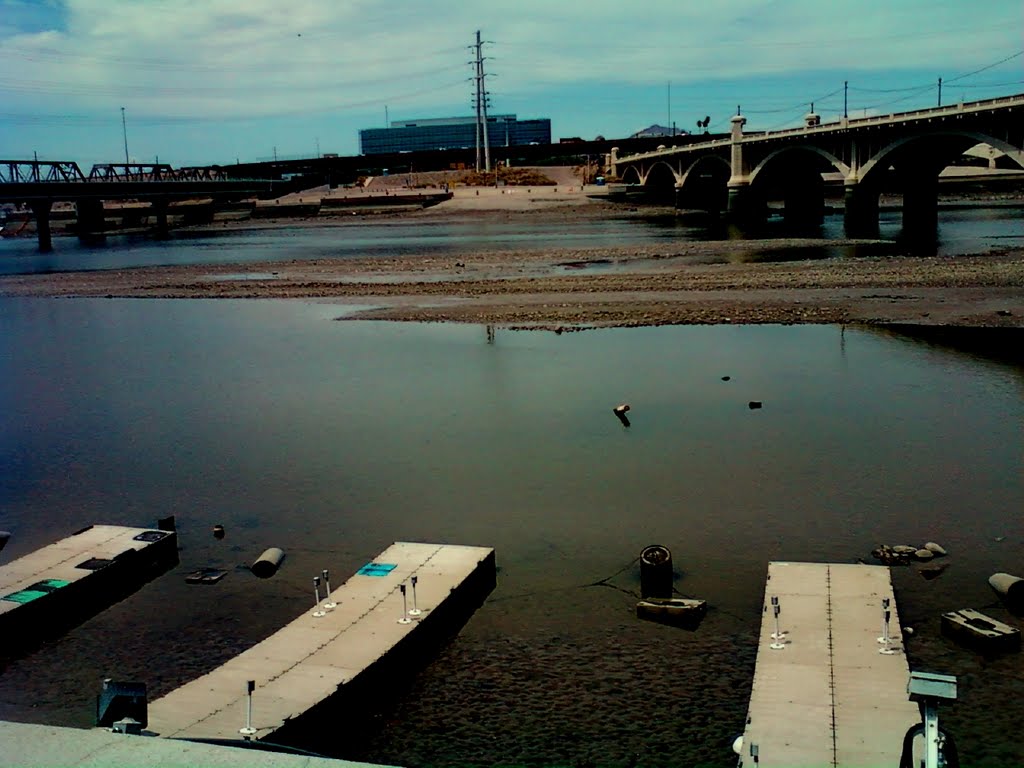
(825, 694)
(335, 655)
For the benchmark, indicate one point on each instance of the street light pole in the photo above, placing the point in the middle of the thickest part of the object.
(124, 130)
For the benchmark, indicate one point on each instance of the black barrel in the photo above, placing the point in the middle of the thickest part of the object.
(655, 571)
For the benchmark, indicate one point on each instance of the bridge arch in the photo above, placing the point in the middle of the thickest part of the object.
(952, 145)
(660, 182)
(910, 166)
(795, 175)
(631, 175)
(704, 184)
(661, 174)
(772, 157)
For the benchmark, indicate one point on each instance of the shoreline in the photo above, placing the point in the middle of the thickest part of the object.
(566, 289)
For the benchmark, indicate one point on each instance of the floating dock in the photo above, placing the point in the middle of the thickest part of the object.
(828, 695)
(60, 585)
(340, 656)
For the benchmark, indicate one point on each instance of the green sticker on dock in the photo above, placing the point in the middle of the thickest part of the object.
(376, 569)
(35, 591)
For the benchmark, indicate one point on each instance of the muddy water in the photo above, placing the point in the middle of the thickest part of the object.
(333, 439)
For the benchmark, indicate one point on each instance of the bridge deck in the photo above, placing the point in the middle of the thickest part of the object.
(312, 658)
(829, 697)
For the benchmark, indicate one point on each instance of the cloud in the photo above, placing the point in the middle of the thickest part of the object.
(244, 58)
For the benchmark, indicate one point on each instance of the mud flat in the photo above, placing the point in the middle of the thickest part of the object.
(564, 289)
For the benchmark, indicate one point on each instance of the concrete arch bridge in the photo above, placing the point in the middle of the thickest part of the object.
(903, 152)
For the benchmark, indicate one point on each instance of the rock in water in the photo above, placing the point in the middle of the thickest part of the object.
(924, 554)
(935, 549)
(903, 549)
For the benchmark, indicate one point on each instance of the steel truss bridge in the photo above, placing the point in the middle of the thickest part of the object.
(40, 183)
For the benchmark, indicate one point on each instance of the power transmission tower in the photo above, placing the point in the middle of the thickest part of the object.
(481, 108)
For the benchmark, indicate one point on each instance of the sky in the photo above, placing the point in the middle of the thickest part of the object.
(223, 81)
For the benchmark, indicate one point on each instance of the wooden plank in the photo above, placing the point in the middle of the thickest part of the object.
(828, 697)
(312, 659)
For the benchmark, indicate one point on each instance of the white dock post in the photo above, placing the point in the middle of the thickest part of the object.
(886, 649)
(885, 607)
(777, 635)
(405, 618)
(248, 731)
(319, 612)
(414, 611)
(329, 604)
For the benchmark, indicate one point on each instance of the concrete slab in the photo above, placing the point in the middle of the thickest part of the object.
(45, 746)
(828, 697)
(313, 658)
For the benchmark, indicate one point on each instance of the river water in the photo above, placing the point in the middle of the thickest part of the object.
(333, 439)
(971, 230)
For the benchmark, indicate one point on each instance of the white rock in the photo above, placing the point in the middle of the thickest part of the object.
(934, 548)
(924, 554)
(903, 549)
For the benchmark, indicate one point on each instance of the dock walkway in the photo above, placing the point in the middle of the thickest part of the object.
(313, 658)
(828, 697)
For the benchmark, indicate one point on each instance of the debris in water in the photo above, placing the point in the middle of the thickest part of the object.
(206, 576)
(620, 411)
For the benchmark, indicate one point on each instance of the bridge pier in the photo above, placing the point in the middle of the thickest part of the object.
(41, 210)
(860, 212)
(91, 221)
(159, 207)
(921, 205)
(746, 208)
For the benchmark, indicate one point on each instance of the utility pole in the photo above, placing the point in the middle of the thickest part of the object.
(940, 92)
(476, 80)
(481, 108)
(124, 131)
(846, 84)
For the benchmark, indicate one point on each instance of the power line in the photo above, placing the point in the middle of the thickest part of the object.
(730, 44)
(984, 69)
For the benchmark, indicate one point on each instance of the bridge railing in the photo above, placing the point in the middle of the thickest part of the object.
(31, 171)
(893, 117)
(845, 123)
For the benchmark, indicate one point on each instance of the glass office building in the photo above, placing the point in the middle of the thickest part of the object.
(452, 133)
